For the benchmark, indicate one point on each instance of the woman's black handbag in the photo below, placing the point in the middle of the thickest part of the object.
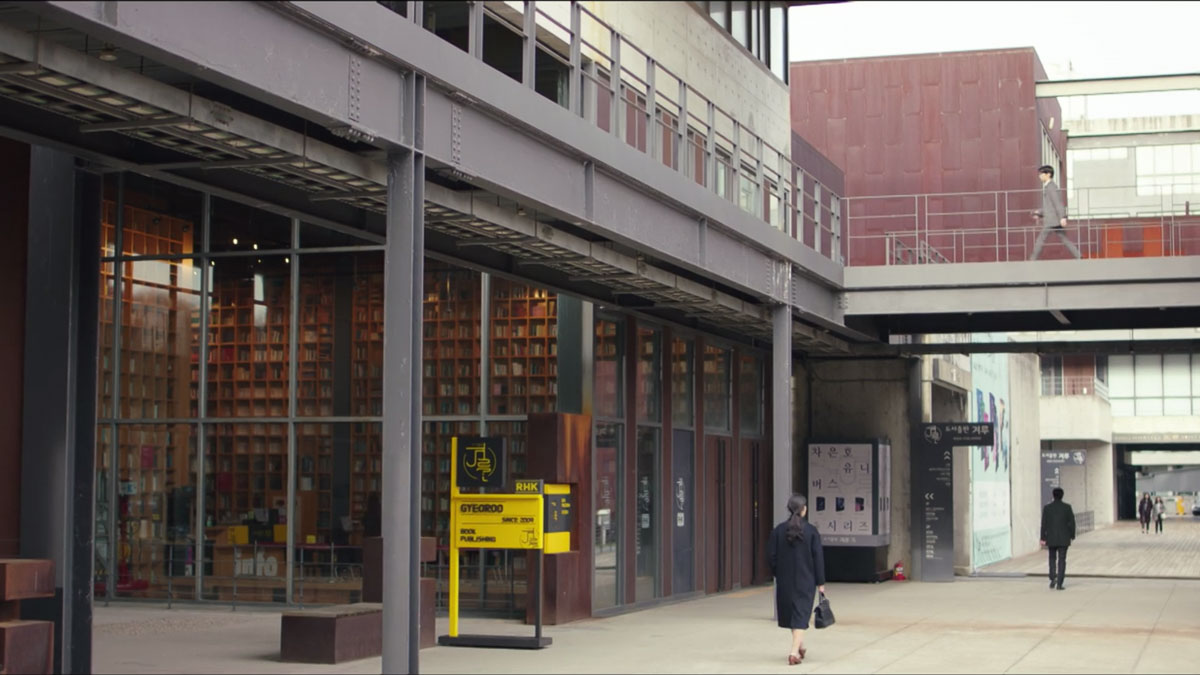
(823, 614)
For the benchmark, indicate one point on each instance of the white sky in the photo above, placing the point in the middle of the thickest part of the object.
(1075, 40)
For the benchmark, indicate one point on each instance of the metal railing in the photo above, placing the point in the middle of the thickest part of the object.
(622, 89)
(999, 226)
(1073, 385)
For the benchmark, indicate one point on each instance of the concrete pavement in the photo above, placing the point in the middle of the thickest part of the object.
(972, 625)
(1123, 551)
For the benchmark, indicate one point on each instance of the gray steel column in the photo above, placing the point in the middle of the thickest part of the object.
(781, 409)
(485, 350)
(651, 109)
(58, 436)
(529, 53)
(403, 285)
(114, 457)
(614, 83)
(202, 390)
(293, 350)
(576, 89)
(710, 156)
(475, 29)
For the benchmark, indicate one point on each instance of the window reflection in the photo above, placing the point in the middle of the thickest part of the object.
(717, 388)
(608, 463)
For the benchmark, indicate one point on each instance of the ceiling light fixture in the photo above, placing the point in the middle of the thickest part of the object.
(109, 53)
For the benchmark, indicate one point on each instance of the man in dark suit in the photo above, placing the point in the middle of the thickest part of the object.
(1052, 215)
(1058, 531)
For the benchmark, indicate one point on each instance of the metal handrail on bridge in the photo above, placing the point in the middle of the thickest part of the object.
(999, 226)
(654, 110)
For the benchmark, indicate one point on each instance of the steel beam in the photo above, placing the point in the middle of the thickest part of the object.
(125, 125)
(403, 284)
(552, 130)
(1116, 85)
(259, 52)
(175, 101)
(1110, 296)
(258, 67)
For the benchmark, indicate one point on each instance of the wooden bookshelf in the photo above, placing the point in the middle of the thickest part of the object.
(158, 300)
(523, 351)
(366, 382)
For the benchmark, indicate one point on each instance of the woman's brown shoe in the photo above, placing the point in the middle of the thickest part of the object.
(793, 659)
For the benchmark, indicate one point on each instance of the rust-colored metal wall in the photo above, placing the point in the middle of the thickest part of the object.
(963, 122)
(953, 122)
(14, 223)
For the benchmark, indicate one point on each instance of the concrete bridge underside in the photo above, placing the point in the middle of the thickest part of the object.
(1024, 296)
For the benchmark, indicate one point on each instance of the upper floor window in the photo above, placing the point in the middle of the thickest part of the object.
(760, 27)
(1168, 169)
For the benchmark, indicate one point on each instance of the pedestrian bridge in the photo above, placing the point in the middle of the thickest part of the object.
(961, 262)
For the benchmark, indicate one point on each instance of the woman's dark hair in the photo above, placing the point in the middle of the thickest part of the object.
(795, 522)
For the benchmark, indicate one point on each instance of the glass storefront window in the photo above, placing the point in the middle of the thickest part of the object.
(155, 503)
(159, 338)
(649, 375)
(451, 356)
(341, 335)
(750, 395)
(608, 466)
(249, 338)
(647, 523)
(717, 399)
(245, 507)
(159, 218)
(609, 375)
(245, 229)
(683, 383)
(523, 349)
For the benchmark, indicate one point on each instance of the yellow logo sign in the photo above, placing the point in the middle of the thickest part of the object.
(479, 462)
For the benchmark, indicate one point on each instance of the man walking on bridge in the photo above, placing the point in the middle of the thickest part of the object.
(1052, 214)
(1058, 531)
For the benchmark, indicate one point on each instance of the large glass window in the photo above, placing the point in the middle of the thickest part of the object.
(155, 467)
(717, 399)
(191, 280)
(249, 338)
(524, 349)
(649, 375)
(649, 497)
(608, 462)
(1168, 169)
(609, 374)
(750, 395)
(204, 302)
(683, 383)
(607, 471)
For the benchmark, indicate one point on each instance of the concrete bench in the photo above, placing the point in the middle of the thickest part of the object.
(332, 634)
(25, 646)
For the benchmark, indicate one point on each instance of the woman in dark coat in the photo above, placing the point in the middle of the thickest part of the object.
(798, 565)
(1145, 511)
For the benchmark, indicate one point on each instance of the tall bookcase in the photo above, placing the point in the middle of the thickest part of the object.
(451, 376)
(248, 347)
(153, 461)
(366, 383)
(523, 357)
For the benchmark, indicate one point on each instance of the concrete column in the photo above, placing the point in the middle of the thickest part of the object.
(781, 409)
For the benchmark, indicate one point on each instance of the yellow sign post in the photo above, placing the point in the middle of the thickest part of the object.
(534, 516)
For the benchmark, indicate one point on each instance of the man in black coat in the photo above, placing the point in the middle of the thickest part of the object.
(1058, 531)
